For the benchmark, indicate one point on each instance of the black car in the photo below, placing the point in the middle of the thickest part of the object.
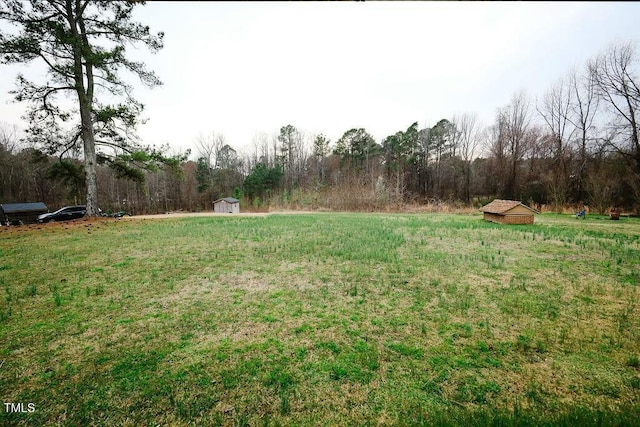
(65, 214)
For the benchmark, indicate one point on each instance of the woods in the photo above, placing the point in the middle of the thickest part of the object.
(575, 145)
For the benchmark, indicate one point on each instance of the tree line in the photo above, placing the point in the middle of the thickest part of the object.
(575, 145)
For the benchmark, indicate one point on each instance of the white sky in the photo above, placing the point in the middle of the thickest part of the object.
(243, 68)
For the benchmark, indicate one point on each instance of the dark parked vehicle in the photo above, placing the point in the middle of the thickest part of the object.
(65, 214)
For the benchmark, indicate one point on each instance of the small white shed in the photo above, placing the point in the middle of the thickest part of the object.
(226, 205)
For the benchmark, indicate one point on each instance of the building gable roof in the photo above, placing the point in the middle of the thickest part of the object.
(10, 208)
(501, 207)
(228, 200)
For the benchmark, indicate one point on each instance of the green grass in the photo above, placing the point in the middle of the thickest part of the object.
(322, 319)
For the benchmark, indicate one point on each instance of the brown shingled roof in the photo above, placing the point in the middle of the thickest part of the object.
(499, 206)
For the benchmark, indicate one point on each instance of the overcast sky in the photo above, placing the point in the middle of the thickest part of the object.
(244, 68)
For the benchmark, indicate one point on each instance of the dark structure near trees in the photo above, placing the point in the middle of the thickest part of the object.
(15, 213)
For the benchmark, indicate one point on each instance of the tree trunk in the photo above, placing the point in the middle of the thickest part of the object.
(89, 159)
(85, 98)
(467, 183)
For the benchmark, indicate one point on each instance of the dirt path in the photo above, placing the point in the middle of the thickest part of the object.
(206, 214)
(191, 214)
(88, 223)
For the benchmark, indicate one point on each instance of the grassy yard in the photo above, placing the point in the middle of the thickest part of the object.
(322, 319)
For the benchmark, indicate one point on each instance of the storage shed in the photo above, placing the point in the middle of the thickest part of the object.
(15, 213)
(227, 205)
(508, 212)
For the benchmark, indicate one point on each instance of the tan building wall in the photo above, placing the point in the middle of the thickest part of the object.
(510, 219)
(493, 217)
(518, 219)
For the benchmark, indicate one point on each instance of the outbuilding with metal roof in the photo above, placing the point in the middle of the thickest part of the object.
(25, 213)
(227, 205)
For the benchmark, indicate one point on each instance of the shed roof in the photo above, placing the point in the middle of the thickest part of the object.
(228, 200)
(501, 207)
(9, 208)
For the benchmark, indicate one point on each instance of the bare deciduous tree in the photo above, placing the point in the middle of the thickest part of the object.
(513, 126)
(9, 138)
(468, 141)
(320, 152)
(614, 72)
(555, 110)
(260, 147)
(208, 148)
(584, 107)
